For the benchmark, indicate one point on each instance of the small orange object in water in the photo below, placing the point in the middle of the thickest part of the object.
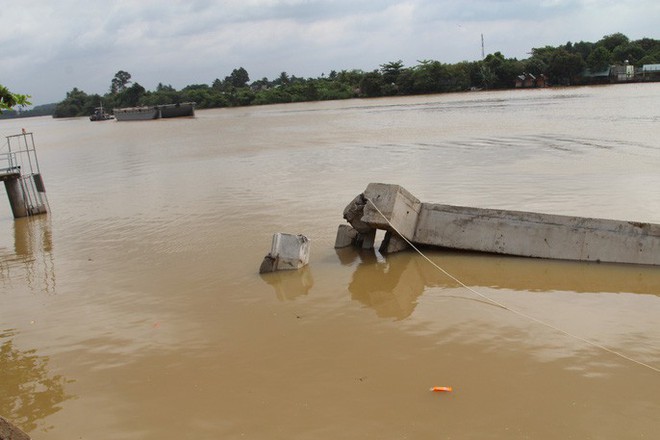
(441, 389)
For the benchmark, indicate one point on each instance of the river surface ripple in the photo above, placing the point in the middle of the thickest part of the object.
(134, 310)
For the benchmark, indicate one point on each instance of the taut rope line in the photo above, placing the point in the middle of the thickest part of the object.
(517, 312)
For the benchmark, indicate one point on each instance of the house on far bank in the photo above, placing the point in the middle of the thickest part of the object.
(618, 74)
(623, 73)
(527, 80)
(651, 72)
(597, 77)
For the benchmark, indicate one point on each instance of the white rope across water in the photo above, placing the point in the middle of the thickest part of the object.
(504, 306)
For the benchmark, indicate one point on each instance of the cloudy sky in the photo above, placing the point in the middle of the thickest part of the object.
(49, 47)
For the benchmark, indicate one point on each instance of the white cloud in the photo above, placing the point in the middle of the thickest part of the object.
(50, 47)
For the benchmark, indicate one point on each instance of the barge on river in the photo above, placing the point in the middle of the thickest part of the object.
(146, 113)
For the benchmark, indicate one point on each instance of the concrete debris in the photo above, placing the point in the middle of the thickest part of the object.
(393, 209)
(349, 236)
(353, 214)
(346, 236)
(9, 431)
(288, 252)
(393, 243)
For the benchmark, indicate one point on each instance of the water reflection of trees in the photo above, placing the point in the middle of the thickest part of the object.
(28, 393)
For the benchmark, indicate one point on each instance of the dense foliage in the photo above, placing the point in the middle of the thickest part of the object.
(9, 100)
(562, 65)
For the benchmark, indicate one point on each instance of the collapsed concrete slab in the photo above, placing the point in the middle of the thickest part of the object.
(528, 234)
(288, 252)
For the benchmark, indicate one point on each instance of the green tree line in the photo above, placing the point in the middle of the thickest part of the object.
(562, 65)
(38, 110)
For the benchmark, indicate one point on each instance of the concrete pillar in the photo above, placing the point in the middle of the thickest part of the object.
(346, 236)
(368, 239)
(529, 234)
(16, 198)
(393, 243)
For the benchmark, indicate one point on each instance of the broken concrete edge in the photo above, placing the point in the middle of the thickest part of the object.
(348, 236)
(392, 206)
(9, 431)
(378, 207)
(506, 232)
(288, 252)
(393, 243)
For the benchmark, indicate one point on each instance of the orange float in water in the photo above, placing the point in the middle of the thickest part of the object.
(441, 389)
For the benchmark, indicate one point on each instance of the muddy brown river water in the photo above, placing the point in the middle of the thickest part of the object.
(134, 310)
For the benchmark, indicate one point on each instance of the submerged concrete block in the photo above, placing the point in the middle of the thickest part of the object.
(393, 243)
(16, 198)
(346, 236)
(349, 236)
(367, 240)
(288, 252)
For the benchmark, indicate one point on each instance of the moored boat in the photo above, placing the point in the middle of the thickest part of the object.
(100, 115)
